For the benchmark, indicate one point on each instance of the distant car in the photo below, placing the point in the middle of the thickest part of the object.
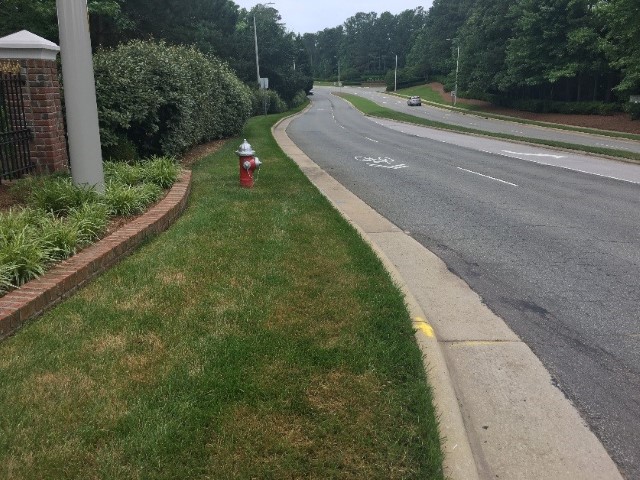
(414, 102)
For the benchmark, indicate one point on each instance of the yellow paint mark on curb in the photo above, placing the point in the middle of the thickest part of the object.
(424, 327)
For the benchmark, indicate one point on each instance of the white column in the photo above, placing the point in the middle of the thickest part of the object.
(85, 154)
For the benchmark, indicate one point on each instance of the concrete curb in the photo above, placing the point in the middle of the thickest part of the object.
(459, 462)
(37, 296)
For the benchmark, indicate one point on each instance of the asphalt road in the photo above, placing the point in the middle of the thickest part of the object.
(489, 124)
(553, 251)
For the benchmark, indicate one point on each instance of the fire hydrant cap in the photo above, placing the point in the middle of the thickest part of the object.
(245, 149)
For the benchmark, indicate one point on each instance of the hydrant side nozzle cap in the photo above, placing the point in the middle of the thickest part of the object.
(245, 149)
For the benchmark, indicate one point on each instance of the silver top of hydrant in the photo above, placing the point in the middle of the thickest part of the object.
(245, 149)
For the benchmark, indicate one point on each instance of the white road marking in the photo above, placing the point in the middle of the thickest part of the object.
(557, 157)
(487, 176)
(381, 162)
(371, 139)
(392, 167)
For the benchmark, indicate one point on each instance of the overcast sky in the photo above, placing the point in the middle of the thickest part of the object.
(306, 16)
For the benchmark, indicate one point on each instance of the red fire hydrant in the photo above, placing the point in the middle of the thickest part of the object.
(248, 164)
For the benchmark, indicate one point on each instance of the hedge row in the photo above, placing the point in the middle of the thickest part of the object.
(155, 98)
(547, 106)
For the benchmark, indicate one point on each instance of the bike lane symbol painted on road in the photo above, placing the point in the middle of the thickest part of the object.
(381, 162)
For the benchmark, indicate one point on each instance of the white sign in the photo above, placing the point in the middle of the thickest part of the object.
(264, 83)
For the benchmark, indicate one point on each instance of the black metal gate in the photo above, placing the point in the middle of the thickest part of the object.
(15, 135)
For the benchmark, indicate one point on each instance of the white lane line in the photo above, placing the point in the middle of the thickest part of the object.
(487, 176)
(571, 169)
(557, 157)
(371, 139)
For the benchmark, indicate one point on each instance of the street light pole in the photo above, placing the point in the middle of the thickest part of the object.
(395, 77)
(455, 91)
(85, 154)
(255, 37)
(455, 98)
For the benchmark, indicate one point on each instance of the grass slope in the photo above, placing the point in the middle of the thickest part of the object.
(369, 107)
(258, 338)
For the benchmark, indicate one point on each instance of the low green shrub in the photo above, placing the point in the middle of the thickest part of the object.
(127, 200)
(58, 195)
(161, 171)
(22, 252)
(91, 221)
(62, 218)
(131, 174)
(60, 239)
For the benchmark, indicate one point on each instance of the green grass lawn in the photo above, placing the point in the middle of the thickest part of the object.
(259, 337)
(369, 107)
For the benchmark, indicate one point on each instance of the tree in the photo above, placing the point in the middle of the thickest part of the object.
(483, 40)
(555, 43)
(39, 17)
(622, 41)
(278, 50)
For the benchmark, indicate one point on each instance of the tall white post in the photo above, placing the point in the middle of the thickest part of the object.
(85, 154)
(255, 36)
(395, 77)
(455, 99)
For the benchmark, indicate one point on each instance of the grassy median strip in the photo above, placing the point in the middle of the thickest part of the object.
(429, 95)
(371, 108)
(259, 337)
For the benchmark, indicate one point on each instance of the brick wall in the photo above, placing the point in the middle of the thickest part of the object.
(43, 112)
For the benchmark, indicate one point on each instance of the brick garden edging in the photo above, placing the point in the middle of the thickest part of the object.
(42, 293)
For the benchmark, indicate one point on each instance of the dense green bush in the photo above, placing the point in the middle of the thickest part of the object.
(165, 99)
(407, 77)
(633, 109)
(547, 106)
(268, 99)
(298, 99)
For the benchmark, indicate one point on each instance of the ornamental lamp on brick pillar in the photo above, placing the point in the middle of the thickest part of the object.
(249, 163)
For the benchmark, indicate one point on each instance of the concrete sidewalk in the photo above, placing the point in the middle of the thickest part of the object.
(500, 415)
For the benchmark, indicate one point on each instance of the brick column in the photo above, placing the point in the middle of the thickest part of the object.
(43, 105)
(43, 112)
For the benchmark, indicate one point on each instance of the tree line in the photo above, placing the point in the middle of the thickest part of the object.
(509, 50)
(217, 28)
(551, 50)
